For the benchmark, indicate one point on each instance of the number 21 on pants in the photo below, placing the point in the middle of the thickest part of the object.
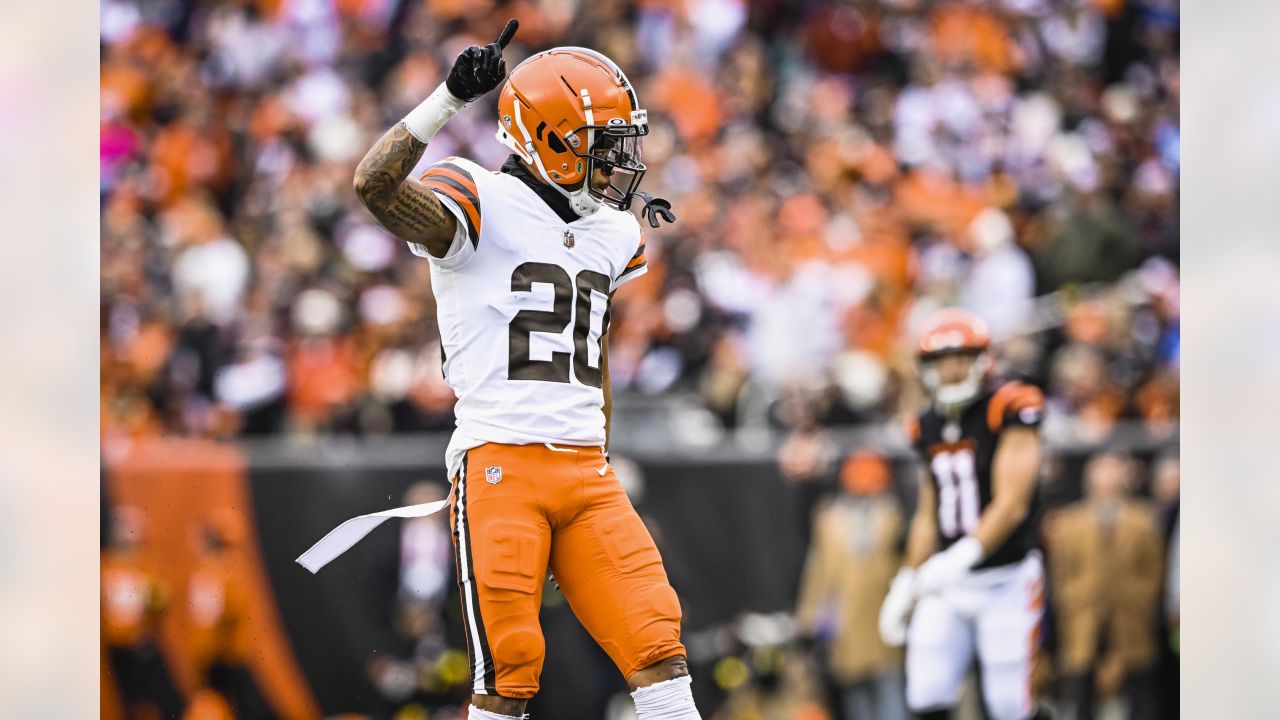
(958, 501)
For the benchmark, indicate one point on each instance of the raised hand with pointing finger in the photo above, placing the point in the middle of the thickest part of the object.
(403, 205)
(480, 69)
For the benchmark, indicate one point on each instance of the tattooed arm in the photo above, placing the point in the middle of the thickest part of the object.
(401, 203)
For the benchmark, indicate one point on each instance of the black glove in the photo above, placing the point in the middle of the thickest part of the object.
(480, 69)
(653, 207)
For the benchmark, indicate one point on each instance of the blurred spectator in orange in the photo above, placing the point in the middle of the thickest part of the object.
(971, 34)
(1106, 564)
(322, 367)
(217, 607)
(852, 560)
(133, 601)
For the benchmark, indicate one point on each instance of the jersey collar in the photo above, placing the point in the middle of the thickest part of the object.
(558, 203)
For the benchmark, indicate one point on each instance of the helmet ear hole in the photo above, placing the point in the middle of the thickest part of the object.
(553, 142)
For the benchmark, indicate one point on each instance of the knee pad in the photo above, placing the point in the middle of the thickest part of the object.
(518, 647)
(662, 605)
(656, 619)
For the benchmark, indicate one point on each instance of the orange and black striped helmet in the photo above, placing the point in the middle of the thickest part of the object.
(568, 111)
(952, 331)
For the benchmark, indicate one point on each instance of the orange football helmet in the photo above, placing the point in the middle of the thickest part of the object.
(953, 331)
(569, 110)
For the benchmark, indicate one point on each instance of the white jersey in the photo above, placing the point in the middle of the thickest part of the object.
(523, 304)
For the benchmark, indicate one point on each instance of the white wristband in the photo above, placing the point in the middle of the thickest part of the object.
(424, 121)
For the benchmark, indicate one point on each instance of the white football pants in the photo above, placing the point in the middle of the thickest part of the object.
(995, 613)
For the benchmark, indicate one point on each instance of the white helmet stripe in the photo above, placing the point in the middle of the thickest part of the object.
(590, 118)
(528, 151)
(580, 199)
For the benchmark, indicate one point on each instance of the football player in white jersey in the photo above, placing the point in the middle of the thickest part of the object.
(524, 263)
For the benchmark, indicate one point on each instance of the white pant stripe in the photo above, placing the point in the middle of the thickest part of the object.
(469, 604)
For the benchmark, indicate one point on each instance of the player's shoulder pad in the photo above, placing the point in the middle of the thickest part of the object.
(1020, 402)
(454, 178)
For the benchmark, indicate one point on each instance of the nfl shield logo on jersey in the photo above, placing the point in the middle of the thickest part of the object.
(568, 239)
(493, 474)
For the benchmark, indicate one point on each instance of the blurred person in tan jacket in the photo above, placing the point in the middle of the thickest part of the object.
(1106, 565)
(852, 560)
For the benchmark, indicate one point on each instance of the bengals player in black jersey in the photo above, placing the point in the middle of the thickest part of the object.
(971, 581)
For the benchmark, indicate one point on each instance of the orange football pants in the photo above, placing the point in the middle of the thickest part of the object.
(519, 509)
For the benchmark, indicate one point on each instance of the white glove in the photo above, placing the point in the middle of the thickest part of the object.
(948, 566)
(897, 608)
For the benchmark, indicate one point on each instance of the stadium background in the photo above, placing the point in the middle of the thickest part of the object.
(269, 359)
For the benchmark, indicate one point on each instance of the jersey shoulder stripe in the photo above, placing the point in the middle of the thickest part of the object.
(1013, 396)
(637, 261)
(452, 181)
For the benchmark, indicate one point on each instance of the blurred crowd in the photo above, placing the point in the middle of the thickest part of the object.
(839, 170)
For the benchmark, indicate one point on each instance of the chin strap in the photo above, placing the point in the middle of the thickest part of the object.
(655, 207)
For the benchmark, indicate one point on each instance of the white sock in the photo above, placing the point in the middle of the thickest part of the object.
(668, 700)
(475, 713)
